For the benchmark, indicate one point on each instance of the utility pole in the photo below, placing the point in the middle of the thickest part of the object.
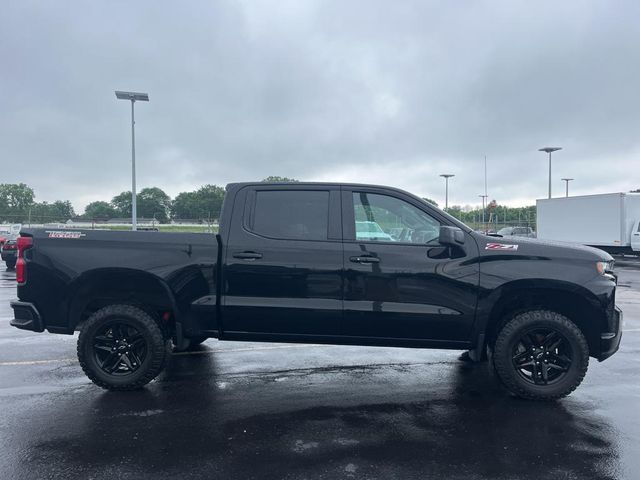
(567, 180)
(484, 197)
(446, 176)
(485, 176)
(133, 97)
(549, 150)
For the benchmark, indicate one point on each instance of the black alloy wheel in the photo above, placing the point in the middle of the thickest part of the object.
(119, 348)
(122, 347)
(542, 356)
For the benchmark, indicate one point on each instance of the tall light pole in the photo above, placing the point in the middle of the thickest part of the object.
(549, 150)
(133, 97)
(446, 176)
(484, 197)
(567, 180)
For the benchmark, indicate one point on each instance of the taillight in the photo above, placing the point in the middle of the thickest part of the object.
(23, 243)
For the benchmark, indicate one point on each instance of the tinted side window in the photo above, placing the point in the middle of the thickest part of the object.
(291, 214)
(381, 218)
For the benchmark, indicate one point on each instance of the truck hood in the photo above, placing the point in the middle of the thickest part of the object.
(533, 246)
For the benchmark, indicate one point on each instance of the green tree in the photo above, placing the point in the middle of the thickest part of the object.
(58, 211)
(275, 179)
(455, 211)
(204, 203)
(122, 204)
(100, 210)
(15, 201)
(154, 203)
(151, 203)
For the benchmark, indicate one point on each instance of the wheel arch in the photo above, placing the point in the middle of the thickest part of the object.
(100, 287)
(573, 301)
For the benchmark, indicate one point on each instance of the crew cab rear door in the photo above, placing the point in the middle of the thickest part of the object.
(400, 283)
(283, 262)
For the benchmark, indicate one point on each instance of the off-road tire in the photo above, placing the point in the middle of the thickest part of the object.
(510, 334)
(156, 348)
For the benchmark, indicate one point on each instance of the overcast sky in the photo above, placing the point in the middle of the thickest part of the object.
(389, 92)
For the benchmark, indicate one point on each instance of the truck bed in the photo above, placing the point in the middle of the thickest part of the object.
(66, 261)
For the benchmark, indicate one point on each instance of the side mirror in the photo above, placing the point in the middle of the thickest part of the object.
(451, 236)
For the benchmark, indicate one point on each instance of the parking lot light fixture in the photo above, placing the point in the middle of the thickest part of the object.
(567, 180)
(549, 150)
(484, 198)
(133, 97)
(446, 177)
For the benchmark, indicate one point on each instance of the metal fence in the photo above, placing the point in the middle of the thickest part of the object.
(193, 226)
(494, 222)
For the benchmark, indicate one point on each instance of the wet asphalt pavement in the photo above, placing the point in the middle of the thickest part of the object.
(249, 410)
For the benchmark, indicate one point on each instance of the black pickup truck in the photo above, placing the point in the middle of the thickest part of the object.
(322, 263)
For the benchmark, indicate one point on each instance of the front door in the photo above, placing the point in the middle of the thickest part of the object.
(283, 267)
(400, 283)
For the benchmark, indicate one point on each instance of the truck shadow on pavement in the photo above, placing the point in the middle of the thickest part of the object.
(196, 423)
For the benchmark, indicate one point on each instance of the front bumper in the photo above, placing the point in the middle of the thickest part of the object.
(26, 316)
(610, 341)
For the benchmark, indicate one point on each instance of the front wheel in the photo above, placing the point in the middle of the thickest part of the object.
(541, 355)
(121, 347)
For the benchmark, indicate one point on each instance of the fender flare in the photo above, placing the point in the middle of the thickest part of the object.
(75, 306)
(487, 303)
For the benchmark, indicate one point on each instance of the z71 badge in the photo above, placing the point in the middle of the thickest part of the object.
(501, 246)
(63, 234)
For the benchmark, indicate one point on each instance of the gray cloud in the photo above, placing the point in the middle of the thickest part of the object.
(368, 91)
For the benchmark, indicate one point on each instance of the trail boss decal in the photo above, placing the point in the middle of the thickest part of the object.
(59, 234)
(501, 246)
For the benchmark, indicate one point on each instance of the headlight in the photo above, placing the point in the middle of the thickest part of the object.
(604, 267)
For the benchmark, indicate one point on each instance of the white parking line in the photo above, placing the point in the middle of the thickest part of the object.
(36, 362)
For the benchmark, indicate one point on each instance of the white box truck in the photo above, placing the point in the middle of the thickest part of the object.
(608, 221)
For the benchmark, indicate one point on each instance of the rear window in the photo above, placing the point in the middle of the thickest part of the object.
(291, 214)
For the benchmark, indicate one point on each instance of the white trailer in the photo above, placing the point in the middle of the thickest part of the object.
(608, 221)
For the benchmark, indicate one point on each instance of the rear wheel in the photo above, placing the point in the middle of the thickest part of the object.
(11, 264)
(541, 355)
(121, 347)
